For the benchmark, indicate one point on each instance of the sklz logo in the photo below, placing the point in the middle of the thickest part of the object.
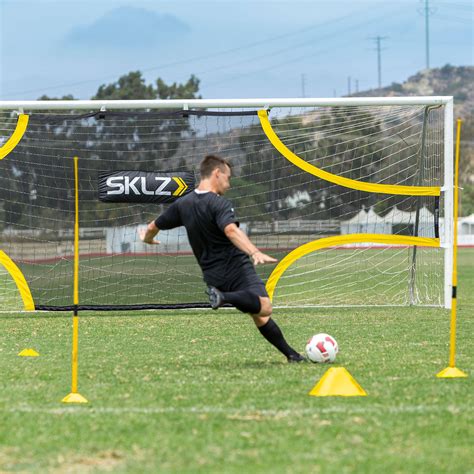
(182, 186)
(143, 186)
(137, 186)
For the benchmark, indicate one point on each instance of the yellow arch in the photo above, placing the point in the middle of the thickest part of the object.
(326, 242)
(333, 178)
(19, 279)
(17, 135)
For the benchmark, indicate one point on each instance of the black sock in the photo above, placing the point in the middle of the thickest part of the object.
(243, 300)
(272, 333)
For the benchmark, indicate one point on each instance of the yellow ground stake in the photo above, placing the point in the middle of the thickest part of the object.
(74, 396)
(451, 371)
(28, 353)
(337, 381)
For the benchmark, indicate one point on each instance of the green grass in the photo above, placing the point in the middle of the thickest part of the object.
(203, 392)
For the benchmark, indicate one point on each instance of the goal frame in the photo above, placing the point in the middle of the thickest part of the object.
(447, 187)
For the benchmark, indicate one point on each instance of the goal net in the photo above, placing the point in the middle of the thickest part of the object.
(354, 199)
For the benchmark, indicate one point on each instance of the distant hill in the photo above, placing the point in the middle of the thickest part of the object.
(448, 80)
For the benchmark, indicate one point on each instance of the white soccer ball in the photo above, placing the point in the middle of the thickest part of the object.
(322, 348)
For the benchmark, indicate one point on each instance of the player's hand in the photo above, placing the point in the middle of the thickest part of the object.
(146, 238)
(260, 258)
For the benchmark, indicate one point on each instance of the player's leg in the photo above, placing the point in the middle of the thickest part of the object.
(244, 300)
(270, 330)
(242, 290)
(248, 294)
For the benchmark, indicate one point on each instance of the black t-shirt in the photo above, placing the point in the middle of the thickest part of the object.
(205, 216)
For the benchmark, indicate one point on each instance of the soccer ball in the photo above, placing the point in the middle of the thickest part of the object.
(322, 348)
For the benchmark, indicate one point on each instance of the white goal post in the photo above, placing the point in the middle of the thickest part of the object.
(383, 136)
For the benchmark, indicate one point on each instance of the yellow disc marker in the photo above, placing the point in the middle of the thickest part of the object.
(28, 353)
(337, 381)
(74, 398)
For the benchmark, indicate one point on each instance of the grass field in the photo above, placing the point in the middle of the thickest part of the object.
(202, 392)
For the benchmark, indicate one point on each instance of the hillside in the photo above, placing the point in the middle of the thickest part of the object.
(448, 80)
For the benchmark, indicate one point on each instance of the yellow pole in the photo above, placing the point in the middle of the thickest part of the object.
(75, 319)
(76, 235)
(451, 371)
(74, 396)
(452, 351)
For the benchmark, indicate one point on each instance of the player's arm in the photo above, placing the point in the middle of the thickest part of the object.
(148, 235)
(168, 220)
(242, 242)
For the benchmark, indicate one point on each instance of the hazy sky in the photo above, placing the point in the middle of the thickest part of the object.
(237, 48)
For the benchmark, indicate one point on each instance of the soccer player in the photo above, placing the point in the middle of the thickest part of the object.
(225, 253)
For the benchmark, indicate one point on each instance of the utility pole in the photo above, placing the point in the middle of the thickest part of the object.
(303, 93)
(357, 86)
(349, 92)
(427, 11)
(378, 40)
(427, 32)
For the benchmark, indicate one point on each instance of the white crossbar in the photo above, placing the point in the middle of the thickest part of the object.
(217, 103)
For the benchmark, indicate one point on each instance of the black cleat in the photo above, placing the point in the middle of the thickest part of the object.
(296, 358)
(215, 297)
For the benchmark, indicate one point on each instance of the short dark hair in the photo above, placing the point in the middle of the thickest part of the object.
(210, 163)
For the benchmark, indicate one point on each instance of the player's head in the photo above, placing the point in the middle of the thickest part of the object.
(217, 170)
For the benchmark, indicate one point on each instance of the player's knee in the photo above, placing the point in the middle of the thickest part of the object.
(260, 320)
(265, 307)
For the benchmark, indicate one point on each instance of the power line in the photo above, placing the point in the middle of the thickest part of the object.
(198, 58)
(293, 59)
(450, 5)
(278, 52)
(457, 19)
(237, 49)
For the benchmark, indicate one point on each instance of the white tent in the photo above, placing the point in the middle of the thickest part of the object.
(365, 222)
(396, 221)
(397, 216)
(405, 221)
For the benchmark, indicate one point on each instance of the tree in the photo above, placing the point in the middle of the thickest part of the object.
(64, 97)
(179, 91)
(467, 200)
(131, 86)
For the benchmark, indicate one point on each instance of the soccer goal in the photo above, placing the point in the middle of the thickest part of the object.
(354, 196)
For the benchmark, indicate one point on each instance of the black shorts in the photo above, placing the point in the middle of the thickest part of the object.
(245, 278)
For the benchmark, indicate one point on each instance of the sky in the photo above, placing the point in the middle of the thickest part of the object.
(237, 49)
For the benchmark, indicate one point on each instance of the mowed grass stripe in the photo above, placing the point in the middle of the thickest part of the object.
(243, 411)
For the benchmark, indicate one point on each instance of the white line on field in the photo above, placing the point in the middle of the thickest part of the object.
(241, 411)
(286, 307)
